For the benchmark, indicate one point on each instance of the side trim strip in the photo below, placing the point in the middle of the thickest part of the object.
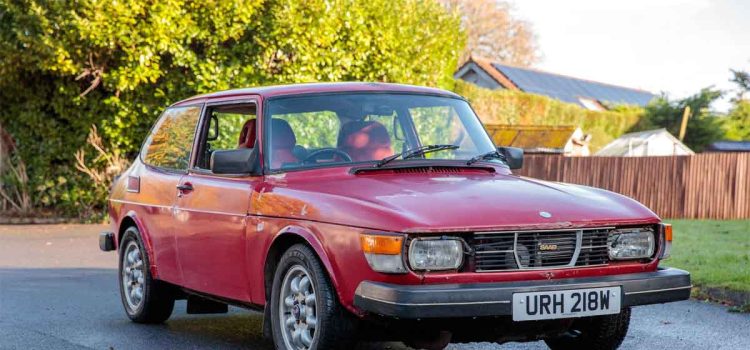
(178, 209)
(141, 204)
(209, 212)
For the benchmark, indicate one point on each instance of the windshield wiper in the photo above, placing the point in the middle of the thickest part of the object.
(483, 156)
(422, 150)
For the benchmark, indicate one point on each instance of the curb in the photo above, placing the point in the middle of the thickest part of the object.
(722, 295)
(34, 221)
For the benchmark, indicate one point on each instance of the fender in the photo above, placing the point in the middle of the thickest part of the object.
(145, 236)
(314, 242)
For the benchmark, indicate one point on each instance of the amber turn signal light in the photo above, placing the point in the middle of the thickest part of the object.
(667, 249)
(668, 232)
(377, 244)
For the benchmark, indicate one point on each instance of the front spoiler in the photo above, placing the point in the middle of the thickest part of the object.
(494, 299)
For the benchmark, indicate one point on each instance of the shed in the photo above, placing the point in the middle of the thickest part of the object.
(564, 140)
(658, 142)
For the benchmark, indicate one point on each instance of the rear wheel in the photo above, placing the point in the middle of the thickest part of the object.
(145, 299)
(598, 332)
(305, 311)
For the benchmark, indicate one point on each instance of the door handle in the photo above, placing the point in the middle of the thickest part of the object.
(186, 187)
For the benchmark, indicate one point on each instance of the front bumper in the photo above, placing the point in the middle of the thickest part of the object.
(495, 299)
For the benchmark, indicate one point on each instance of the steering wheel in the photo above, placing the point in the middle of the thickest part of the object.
(332, 151)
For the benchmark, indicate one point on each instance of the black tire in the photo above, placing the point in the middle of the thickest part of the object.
(157, 301)
(598, 332)
(335, 326)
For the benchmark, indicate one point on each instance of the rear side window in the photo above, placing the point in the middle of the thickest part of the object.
(171, 142)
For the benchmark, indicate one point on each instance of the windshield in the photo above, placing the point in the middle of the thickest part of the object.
(358, 128)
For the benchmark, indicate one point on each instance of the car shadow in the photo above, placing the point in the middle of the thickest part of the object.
(82, 306)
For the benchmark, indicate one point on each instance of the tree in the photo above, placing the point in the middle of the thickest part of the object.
(704, 126)
(738, 121)
(65, 66)
(493, 32)
(742, 80)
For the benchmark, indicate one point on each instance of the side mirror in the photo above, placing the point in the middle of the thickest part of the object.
(213, 128)
(513, 155)
(235, 161)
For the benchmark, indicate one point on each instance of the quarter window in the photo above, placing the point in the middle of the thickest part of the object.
(170, 144)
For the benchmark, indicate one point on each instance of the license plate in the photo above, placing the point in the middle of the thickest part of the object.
(566, 303)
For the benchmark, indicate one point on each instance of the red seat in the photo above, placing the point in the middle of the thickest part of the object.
(247, 135)
(282, 143)
(365, 141)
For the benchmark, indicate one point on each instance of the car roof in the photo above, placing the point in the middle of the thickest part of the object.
(313, 88)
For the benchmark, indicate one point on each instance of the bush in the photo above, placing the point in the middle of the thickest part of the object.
(514, 107)
(65, 66)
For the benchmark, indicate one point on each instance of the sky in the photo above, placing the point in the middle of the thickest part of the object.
(672, 46)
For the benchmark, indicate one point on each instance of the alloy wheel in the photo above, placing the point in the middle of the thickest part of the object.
(132, 276)
(297, 309)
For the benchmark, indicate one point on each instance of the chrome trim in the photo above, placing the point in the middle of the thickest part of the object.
(551, 230)
(174, 208)
(208, 212)
(434, 304)
(577, 251)
(660, 290)
(494, 251)
(141, 204)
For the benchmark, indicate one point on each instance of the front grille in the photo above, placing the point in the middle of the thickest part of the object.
(496, 251)
(594, 250)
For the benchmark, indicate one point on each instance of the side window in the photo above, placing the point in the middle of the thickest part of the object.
(229, 127)
(171, 143)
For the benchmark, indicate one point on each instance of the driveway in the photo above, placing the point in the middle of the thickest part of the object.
(58, 291)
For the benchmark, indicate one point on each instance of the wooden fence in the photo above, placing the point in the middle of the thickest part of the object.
(704, 186)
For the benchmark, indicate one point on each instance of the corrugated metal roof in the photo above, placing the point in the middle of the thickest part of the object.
(545, 139)
(570, 89)
(729, 146)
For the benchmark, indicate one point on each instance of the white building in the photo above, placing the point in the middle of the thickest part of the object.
(648, 143)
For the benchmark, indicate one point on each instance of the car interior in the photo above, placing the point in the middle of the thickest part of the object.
(305, 135)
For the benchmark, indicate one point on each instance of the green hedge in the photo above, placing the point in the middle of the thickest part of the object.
(65, 66)
(514, 107)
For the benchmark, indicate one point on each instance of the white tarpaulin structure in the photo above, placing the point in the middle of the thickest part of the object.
(648, 143)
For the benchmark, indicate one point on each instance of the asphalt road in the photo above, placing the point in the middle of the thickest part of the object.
(58, 291)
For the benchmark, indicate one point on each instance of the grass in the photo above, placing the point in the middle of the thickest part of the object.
(716, 252)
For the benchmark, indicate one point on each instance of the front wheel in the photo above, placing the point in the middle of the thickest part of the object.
(598, 332)
(305, 311)
(145, 299)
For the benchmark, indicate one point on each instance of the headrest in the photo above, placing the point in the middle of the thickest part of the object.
(364, 134)
(282, 135)
(247, 135)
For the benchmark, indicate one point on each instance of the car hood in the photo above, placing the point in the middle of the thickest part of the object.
(442, 203)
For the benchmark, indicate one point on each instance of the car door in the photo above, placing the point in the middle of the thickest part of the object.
(211, 210)
(165, 155)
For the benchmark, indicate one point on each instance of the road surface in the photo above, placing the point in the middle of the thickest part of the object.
(58, 291)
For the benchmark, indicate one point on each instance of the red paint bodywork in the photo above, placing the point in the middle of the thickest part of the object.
(216, 238)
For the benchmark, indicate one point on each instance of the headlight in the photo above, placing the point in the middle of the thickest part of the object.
(436, 254)
(635, 243)
(383, 252)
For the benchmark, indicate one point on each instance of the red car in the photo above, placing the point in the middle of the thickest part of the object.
(359, 210)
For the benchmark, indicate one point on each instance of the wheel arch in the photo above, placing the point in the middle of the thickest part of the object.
(131, 220)
(286, 238)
